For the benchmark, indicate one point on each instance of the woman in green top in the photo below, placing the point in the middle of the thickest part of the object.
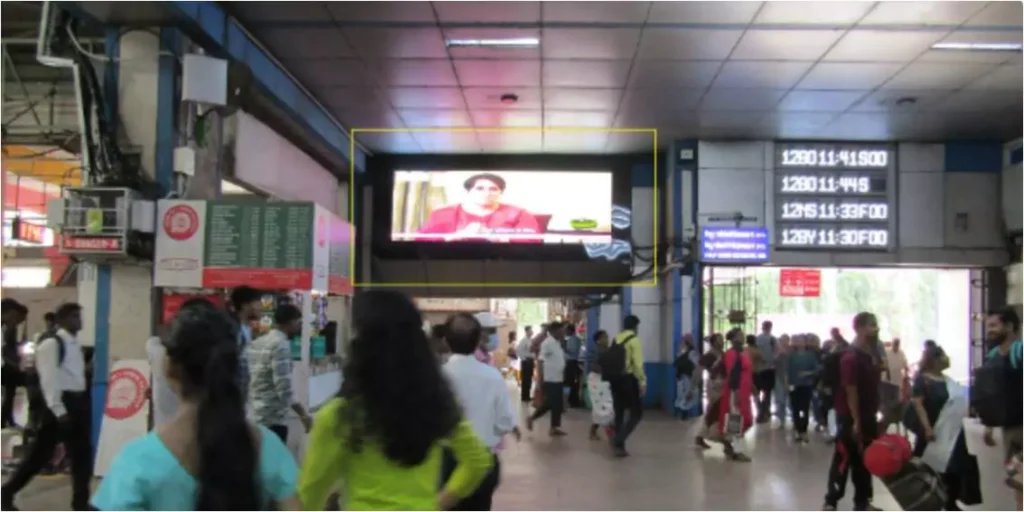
(379, 441)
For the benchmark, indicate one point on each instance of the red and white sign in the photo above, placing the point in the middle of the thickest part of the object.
(179, 243)
(799, 282)
(181, 222)
(126, 393)
(98, 244)
(126, 411)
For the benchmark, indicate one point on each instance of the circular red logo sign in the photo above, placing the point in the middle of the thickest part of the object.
(181, 222)
(321, 231)
(126, 393)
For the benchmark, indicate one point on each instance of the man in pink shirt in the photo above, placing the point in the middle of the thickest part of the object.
(481, 213)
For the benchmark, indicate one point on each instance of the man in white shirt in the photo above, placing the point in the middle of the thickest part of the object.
(61, 368)
(526, 365)
(891, 389)
(552, 369)
(484, 399)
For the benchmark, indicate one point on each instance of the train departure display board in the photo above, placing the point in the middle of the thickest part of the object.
(834, 196)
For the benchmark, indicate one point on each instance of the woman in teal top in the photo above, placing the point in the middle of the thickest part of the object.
(208, 457)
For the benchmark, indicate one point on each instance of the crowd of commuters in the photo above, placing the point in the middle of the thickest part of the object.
(430, 436)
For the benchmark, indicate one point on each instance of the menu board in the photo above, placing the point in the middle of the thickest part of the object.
(259, 235)
(834, 196)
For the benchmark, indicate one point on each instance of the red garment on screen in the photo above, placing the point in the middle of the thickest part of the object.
(507, 219)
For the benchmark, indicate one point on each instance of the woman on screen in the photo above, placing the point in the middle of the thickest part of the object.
(481, 212)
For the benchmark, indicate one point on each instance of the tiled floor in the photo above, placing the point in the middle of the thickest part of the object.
(664, 473)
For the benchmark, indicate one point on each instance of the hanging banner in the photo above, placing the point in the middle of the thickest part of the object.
(799, 282)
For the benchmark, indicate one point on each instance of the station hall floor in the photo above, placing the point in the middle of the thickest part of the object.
(664, 472)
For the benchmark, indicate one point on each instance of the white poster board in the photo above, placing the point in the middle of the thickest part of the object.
(126, 413)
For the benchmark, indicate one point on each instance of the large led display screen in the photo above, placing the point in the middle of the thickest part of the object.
(540, 207)
(834, 196)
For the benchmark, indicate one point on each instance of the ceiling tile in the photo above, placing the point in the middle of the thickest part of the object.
(425, 97)
(511, 142)
(352, 97)
(489, 98)
(493, 73)
(789, 122)
(785, 44)
(638, 111)
(848, 75)
(1008, 77)
(281, 11)
(397, 43)
(887, 100)
(998, 14)
(721, 99)
(435, 118)
(573, 118)
(508, 118)
(306, 43)
(819, 101)
(921, 13)
(761, 74)
(405, 72)
(582, 99)
(673, 73)
(981, 101)
(881, 46)
(812, 13)
(448, 141)
(590, 43)
(483, 12)
(394, 11)
(606, 12)
(396, 142)
(368, 117)
(586, 73)
(492, 33)
(690, 44)
(931, 75)
(620, 142)
(727, 119)
(557, 141)
(859, 127)
(703, 12)
(334, 72)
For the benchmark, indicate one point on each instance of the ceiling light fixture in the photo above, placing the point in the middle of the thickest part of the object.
(979, 47)
(518, 42)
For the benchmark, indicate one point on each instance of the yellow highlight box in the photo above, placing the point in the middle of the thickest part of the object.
(353, 133)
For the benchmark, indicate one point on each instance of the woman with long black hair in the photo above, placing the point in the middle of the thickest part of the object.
(208, 457)
(379, 442)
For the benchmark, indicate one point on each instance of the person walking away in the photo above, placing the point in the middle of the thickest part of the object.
(802, 371)
(856, 406)
(765, 372)
(380, 441)
(573, 371)
(781, 388)
(480, 391)
(713, 363)
(687, 376)
(893, 382)
(1003, 328)
(602, 406)
(551, 372)
(66, 418)
(246, 304)
(270, 380)
(14, 314)
(623, 368)
(208, 457)
(526, 365)
(936, 419)
(735, 415)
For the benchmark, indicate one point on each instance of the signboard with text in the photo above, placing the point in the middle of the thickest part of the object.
(799, 282)
(720, 244)
(227, 243)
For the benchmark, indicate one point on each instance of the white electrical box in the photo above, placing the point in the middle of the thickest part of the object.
(204, 80)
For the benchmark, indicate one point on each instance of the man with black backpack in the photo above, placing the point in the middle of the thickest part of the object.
(622, 366)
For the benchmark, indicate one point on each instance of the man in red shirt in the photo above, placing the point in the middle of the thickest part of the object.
(856, 406)
(481, 213)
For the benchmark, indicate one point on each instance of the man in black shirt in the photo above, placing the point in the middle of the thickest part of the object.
(14, 314)
(1003, 333)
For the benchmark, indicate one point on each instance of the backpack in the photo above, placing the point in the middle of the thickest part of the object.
(988, 391)
(917, 487)
(28, 360)
(830, 370)
(613, 360)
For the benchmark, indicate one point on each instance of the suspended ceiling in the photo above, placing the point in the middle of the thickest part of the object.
(724, 70)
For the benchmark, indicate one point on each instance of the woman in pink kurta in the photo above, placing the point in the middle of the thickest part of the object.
(739, 384)
(481, 213)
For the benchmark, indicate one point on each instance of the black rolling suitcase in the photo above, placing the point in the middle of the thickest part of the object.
(917, 487)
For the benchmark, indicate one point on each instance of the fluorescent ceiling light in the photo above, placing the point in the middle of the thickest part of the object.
(517, 42)
(979, 47)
